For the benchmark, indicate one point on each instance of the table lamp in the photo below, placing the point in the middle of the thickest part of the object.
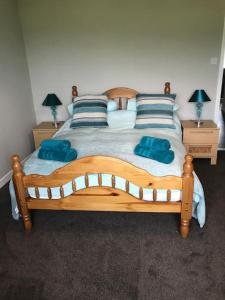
(199, 97)
(53, 101)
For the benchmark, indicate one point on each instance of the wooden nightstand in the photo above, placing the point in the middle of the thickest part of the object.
(44, 130)
(203, 141)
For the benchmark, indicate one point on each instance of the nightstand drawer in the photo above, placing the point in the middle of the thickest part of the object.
(199, 150)
(39, 136)
(201, 136)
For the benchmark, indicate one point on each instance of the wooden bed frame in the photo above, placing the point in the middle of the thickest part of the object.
(102, 198)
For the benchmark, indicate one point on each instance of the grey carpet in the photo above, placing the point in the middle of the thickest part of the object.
(84, 255)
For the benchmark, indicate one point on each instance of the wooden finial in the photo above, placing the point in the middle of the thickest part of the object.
(74, 91)
(18, 175)
(15, 158)
(16, 165)
(188, 166)
(167, 88)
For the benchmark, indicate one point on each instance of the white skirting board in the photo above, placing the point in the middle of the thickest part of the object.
(8, 175)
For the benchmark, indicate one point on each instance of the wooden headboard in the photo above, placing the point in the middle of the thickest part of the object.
(122, 92)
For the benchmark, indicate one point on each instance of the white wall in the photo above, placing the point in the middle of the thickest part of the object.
(17, 115)
(106, 43)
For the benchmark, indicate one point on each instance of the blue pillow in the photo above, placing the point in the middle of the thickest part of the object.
(132, 105)
(111, 106)
(89, 111)
(172, 96)
(154, 111)
(121, 119)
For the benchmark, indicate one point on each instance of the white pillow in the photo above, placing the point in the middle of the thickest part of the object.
(176, 107)
(70, 109)
(121, 119)
(131, 105)
(112, 105)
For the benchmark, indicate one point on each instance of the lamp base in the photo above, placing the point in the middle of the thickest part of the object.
(55, 124)
(54, 113)
(199, 106)
(198, 123)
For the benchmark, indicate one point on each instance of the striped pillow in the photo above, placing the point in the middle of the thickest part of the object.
(89, 111)
(154, 111)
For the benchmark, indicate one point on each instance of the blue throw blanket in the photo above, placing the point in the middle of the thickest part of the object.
(165, 157)
(58, 155)
(154, 143)
(59, 145)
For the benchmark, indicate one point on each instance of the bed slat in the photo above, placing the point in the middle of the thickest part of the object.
(74, 186)
(113, 181)
(141, 193)
(49, 193)
(100, 179)
(168, 195)
(154, 195)
(37, 194)
(61, 192)
(127, 186)
(86, 180)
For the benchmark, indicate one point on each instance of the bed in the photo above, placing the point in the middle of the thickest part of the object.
(110, 178)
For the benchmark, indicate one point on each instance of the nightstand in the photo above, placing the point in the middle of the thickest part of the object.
(43, 131)
(203, 141)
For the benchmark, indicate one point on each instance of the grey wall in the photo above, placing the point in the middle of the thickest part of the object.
(17, 115)
(105, 43)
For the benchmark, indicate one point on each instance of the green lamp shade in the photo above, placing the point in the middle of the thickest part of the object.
(51, 100)
(199, 96)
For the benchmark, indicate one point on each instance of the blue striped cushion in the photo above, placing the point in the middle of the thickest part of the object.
(90, 111)
(172, 96)
(154, 111)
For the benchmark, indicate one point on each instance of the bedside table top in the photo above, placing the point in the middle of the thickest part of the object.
(48, 126)
(192, 124)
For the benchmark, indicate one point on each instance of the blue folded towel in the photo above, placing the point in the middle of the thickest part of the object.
(64, 156)
(165, 157)
(56, 145)
(154, 143)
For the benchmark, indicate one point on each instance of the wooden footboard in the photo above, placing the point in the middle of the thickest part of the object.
(102, 198)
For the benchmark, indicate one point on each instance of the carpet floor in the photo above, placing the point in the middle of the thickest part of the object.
(84, 255)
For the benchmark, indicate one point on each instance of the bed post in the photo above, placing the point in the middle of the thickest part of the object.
(74, 91)
(187, 196)
(18, 175)
(167, 88)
